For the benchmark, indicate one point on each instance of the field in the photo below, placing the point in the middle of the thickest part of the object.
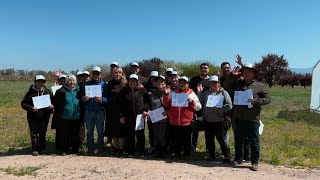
(291, 136)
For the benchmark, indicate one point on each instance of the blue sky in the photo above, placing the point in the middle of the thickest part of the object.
(70, 34)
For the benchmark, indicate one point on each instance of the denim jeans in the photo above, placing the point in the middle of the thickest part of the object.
(95, 118)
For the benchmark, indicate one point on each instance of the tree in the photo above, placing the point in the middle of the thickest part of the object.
(272, 67)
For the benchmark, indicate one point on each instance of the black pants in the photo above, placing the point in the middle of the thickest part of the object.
(151, 134)
(82, 129)
(181, 137)
(212, 130)
(247, 129)
(38, 131)
(130, 141)
(70, 132)
(195, 135)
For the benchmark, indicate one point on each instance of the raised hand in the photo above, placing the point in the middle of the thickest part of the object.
(239, 60)
(167, 90)
(200, 88)
(235, 70)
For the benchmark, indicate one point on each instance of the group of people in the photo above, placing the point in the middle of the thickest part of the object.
(123, 98)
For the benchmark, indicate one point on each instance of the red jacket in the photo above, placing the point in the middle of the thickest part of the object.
(182, 116)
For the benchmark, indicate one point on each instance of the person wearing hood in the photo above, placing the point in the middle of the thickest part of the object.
(214, 117)
(247, 117)
(67, 110)
(37, 118)
(180, 117)
(95, 110)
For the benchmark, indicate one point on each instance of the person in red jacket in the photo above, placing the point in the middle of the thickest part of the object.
(180, 117)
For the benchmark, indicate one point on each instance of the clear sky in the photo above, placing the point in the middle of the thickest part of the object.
(70, 34)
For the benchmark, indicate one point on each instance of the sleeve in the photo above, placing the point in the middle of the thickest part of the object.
(227, 102)
(167, 100)
(105, 93)
(146, 100)
(196, 105)
(25, 103)
(264, 97)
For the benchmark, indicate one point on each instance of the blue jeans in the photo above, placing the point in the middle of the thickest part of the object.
(95, 118)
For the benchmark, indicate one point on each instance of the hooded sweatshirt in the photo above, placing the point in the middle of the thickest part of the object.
(27, 104)
(208, 113)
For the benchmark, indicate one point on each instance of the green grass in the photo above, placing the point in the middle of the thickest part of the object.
(291, 136)
(31, 171)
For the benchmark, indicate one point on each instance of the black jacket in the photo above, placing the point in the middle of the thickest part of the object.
(27, 104)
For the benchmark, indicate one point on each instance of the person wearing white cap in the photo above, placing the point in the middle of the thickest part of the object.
(85, 76)
(95, 109)
(79, 77)
(214, 117)
(174, 80)
(38, 118)
(201, 80)
(113, 65)
(159, 127)
(180, 116)
(151, 85)
(61, 79)
(247, 117)
(135, 69)
(134, 100)
(167, 75)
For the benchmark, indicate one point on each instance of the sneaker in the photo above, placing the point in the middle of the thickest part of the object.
(254, 167)
(35, 153)
(109, 145)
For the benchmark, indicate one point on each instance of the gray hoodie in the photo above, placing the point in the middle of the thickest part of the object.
(208, 114)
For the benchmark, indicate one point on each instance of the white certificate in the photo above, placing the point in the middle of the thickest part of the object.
(41, 101)
(261, 128)
(55, 88)
(215, 101)
(140, 122)
(179, 100)
(156, 115)
(93, 91)
(241, 97)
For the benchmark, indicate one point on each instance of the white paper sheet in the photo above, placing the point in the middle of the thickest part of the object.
(93, 91)
(55, 88)
(215, 101)
(156, 115)
(261, 128)
(41, 101)
(140, 122)
(179, 100)
(241, 97)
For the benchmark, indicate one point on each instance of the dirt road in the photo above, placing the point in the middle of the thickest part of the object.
(85, 167)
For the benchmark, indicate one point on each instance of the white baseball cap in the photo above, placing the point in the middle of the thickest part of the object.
(214, 78)
(62, 76)
(134, 76)
(134, 64)
(185, 78)
(39, 77)
(162, 77)
(96, 68)
(86, 73)
(169, 70)
(154, 74)
(79, 73)
(114, 63)
(174, 73)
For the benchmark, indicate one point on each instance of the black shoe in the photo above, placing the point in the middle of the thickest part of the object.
(35, 153)
(226, 160)
(210, 158)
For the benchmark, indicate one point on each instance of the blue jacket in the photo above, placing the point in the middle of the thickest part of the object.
(91, 104)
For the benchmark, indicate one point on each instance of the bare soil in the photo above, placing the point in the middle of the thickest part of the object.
(92, 167)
